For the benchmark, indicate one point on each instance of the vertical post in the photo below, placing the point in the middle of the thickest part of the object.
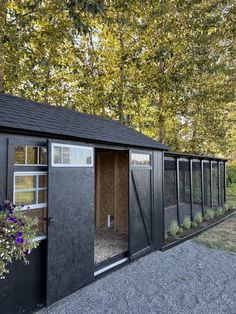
(219, 185)
(202, 183)
(225, 183)
(191, 186)
(177, 188)
(211, 185)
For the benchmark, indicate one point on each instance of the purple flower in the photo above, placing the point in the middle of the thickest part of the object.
(8, 204)
(26, 252)
(12, 219)
(19, 234)
(20, 240)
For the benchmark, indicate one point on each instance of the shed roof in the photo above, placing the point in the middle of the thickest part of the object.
(21, 114)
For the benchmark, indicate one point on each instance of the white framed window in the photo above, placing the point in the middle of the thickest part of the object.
(30, 155)
(141, 159)
(30, 189)
(64, 155)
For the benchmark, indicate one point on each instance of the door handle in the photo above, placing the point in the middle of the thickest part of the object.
(52, 220)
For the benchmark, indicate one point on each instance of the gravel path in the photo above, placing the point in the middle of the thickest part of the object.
(190, 278)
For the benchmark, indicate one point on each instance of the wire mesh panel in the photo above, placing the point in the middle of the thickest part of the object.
(207, 185)
(184, 189)
(215, 185)
(170, 191)
(197, 187)
(222, 184)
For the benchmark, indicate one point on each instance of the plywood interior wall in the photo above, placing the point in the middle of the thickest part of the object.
(112, 189)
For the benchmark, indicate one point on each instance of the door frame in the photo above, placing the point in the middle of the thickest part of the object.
(124, 257)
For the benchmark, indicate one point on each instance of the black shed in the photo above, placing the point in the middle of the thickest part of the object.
(97, 187)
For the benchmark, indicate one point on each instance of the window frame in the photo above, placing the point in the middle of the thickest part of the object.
(143, 152)
(77, 165)
(37, 188)
(26, 158)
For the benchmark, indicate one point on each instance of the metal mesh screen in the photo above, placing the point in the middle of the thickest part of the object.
(222, 184)
(215, 184)
(184, 190)
(197, 187)
(170, 191)
(207, 185)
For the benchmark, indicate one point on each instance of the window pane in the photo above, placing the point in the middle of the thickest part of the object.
(197, 187)
(207, 185)
(19, 155)
(66, 155)
(73, 155)
(32, 153)
(141, 159)
(42, 197)
(215, 185)
(170, 186)
(25, 182)
(222, 184)
(25, 198)
(80, 156)
(42, 181)
(184, 190)
(57, 155)
(43, 156)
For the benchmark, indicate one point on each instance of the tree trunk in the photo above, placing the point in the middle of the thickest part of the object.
(161, 128)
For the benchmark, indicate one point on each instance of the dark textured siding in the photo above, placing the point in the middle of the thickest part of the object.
(71, 238)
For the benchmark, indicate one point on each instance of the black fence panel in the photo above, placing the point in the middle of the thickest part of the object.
(170, 185)
(184, 190)
(215, 185)
(222, 183)
(207, 185)
(197, 187)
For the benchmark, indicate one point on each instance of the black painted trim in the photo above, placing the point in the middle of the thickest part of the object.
(191, 188)
(177, 190)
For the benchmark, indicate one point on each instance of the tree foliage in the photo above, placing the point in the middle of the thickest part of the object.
(166, 68)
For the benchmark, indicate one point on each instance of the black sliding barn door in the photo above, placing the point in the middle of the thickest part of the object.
(70, 263)
(140, 208)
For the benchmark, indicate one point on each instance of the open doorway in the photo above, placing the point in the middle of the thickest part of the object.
(111, 214)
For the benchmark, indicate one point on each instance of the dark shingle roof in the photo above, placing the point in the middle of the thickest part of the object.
(22, 114)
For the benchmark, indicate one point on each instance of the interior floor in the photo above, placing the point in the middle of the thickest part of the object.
(109, 243)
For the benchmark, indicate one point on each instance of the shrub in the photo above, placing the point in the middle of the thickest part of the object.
(174, 228)
(198, 218)
(194, 224)
(219, 212)
(231, 205)
(181, 230)
(187, 223)
(226, 207)
(16, 237)
(210, 213)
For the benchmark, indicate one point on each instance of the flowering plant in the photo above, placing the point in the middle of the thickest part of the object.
(17, 234)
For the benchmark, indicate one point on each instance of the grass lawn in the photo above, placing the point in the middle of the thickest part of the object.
(223, 236)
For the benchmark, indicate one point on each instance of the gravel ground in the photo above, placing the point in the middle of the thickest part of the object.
(190, 278)
(109, 243)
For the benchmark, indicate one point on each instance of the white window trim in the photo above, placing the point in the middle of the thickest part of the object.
(29, 173)
(141, 153)
(26, 161)
(70, 146)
